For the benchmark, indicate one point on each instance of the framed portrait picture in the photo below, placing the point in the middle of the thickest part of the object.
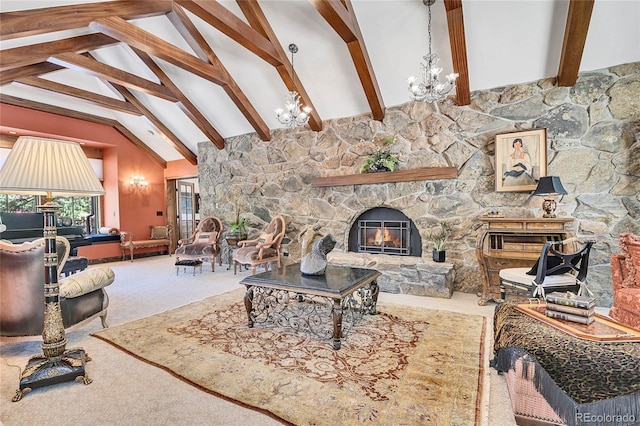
(521, 159)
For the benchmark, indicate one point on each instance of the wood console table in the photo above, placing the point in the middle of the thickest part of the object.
(513, 243)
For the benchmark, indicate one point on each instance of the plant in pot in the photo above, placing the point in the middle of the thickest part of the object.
(238, 227)
(382, 160)
(439, 238)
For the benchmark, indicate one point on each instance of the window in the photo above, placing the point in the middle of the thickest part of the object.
(78, 209)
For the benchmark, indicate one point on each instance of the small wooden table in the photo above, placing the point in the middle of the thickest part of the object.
(304, 302)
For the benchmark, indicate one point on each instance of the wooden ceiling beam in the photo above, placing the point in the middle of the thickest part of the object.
(183, 102)
(64, 112)
(24, 23)
(159, 125)
(457, 40)
(575, 36)
(84, 95)
(258, 21)
(216, 15)
(338, 17)
(10, 76)
(93, 67)
(197, 42)
(136, 37)
(341, 17)
(40, 52)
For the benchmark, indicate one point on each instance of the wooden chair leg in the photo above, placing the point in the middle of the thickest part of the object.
(235, 265)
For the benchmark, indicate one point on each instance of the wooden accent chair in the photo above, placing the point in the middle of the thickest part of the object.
(204, 244)
(264, 249)
(625, 269)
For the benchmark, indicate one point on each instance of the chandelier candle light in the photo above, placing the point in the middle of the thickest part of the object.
(430, 89)
(294, 114)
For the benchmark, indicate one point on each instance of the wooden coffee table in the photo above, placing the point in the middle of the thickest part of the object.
(315, 304)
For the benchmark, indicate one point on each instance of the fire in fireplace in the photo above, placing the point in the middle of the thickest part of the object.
(387, 231)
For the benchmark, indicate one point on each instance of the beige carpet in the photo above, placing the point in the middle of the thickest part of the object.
(403, 366)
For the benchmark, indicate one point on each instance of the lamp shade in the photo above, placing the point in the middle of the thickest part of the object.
(39, 166)
(550, 185)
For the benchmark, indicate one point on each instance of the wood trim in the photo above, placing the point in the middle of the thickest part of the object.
(427, 173)
(40, 52)
(93, 67)
(49, 19)
(225, 21)
(90, 97)
(575, 36)
(457, 41)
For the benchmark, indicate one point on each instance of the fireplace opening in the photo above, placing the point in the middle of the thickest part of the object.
(386, 231)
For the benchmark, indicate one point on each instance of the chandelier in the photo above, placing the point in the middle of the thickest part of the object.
(429, 88)
(294, 114)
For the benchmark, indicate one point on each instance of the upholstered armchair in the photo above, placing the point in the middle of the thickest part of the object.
(625, 270)
(82, 295)
(262, 250)
(204, 244)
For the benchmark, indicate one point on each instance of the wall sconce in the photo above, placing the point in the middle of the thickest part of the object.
(138, 183)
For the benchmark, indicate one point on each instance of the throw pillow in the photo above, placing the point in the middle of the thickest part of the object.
(265, 239)
(630, 246)
(206, 237)
(552, 262)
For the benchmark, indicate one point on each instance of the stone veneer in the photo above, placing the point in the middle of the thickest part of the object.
(592, 132)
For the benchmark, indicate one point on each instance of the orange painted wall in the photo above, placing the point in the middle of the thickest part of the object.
(123, 208)
(180, 169)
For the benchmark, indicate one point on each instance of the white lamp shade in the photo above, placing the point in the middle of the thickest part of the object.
(39, 166)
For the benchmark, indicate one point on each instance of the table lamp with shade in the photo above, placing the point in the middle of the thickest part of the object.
(548, 186)
(47, 167)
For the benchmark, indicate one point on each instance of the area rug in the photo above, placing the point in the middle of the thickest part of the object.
(403, 366)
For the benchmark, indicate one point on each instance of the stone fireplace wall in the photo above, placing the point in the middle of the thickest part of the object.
(592, 129)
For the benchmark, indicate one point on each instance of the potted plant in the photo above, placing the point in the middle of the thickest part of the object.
(238, 227)
(382, 160)
(439, 239)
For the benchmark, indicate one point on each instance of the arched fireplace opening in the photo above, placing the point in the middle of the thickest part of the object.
(385, 231)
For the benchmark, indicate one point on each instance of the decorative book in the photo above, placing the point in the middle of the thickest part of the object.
(570, 299)
(570, 317)
(571, 309)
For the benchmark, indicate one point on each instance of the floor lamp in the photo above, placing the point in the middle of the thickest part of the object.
(38, 166)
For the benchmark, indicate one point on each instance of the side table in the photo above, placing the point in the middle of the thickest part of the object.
(232, 243)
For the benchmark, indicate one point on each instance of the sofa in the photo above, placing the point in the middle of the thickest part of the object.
(22, 276)
(625, 270)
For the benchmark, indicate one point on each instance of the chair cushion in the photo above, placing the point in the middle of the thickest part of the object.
(552, 262)
(250, 254)
(197, 249)
(521, 276)
(86, 282)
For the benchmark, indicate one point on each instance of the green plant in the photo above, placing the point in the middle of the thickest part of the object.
(238, 227)
(382, 159)
(440, 236)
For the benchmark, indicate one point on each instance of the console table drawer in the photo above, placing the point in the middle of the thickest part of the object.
(498, 263)
(528, 247)
(545, 226)
(512, 226)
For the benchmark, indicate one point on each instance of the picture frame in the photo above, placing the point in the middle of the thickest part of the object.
(522, 173)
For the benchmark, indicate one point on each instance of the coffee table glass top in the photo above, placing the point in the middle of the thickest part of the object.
(337, 279)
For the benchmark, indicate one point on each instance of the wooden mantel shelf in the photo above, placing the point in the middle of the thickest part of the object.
(427, 173)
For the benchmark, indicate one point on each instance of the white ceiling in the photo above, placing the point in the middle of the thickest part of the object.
(508, 42)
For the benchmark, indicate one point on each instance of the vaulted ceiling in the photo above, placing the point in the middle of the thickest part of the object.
(171, 74)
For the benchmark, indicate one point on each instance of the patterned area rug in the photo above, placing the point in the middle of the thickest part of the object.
(402, 366)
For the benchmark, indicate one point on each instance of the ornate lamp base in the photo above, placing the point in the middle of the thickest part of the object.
(45, 371)
(549, 207)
